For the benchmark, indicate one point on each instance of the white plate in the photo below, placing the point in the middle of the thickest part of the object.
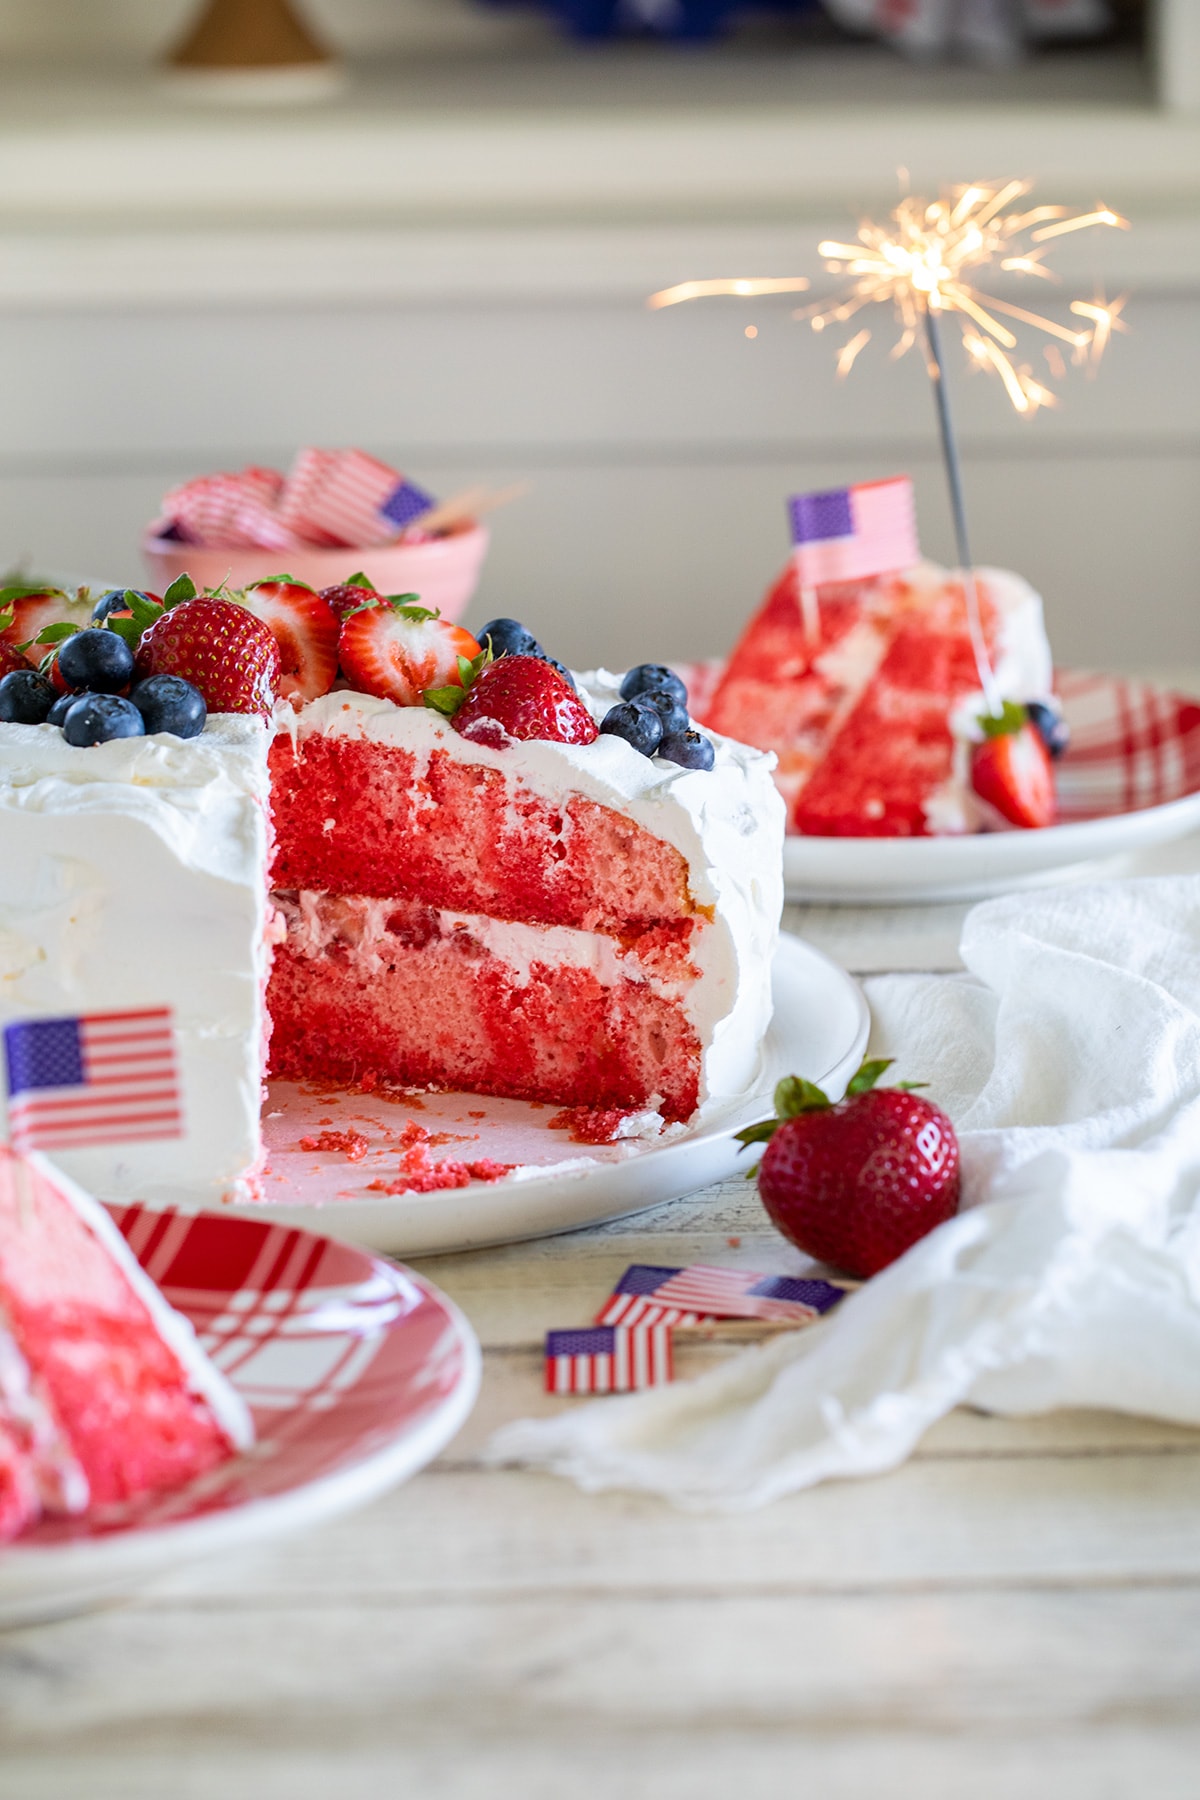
(356, 1373)
(1130, 780)
(881, 871)
(819, 1030)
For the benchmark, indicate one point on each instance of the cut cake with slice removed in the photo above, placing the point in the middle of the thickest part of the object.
(355, 893)
(105, 1394)
(873, 718)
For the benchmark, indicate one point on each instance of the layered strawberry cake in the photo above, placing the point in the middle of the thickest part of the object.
(343, 841)
(105, 1395)
(869, 694)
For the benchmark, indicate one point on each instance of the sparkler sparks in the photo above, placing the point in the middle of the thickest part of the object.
(925, 258)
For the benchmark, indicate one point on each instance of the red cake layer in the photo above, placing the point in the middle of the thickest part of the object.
(463, 837)
(423, 1007)
(116, 1390)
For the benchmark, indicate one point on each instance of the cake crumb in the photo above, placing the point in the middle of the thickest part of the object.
(605, 1124)
(352, 1144)
(419, 1174)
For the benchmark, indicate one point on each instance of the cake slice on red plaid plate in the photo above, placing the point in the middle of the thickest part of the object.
(105, 1395)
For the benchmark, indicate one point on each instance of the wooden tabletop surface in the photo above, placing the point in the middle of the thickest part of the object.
(1014, 1612)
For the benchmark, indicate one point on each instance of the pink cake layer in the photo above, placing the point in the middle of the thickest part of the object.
(464, 837)
(427, 1005)
(112, 1387)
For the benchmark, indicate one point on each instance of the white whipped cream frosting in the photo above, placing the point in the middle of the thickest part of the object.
(726, 822)
(134, 875)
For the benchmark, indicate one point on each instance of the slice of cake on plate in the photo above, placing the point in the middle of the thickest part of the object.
(454, 869)
(105, 1394)
(869, 690)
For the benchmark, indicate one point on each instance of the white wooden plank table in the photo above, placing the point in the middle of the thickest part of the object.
(1015, 1611)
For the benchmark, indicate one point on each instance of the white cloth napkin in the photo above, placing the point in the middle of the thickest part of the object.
(1069, 1058)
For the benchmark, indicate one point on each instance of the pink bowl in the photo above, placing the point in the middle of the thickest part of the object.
(444, 572)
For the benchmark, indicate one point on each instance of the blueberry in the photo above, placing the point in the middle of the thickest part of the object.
(1050, 726)
(25, 697)
(674, 716)
(638, 725)
(649, 677)
(95, 718)
(690, 749)
(98, 660)
(561, 667)
(113, 601)
(509, 638)
(169, 703)
(61, 708)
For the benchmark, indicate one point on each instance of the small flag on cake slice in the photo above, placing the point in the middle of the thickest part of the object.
(612, 1359)
(850, 533)
(647, 1295)
(99, 1078)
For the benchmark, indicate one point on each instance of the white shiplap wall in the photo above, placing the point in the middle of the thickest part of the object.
(659, 448)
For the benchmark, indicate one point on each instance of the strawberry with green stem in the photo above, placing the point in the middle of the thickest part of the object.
(855, 1184)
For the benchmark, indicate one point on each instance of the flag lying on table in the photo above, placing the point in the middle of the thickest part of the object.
(847, 534)
(100, 1078)
(611, 1359)
(646, 1295)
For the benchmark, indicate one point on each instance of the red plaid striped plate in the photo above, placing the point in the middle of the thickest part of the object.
(357, 1373)
(1130, 780)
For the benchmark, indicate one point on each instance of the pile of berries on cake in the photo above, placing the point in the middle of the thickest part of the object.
(134, 663)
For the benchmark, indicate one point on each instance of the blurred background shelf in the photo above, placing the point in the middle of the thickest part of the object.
(448, 265)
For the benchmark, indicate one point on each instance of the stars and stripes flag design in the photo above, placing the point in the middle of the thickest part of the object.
(101, 1078)
(650, 1296)
(847, 534)
(349, 497)
(608, 1359)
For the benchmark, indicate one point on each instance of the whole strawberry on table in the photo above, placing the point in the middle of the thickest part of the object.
(856, 1183)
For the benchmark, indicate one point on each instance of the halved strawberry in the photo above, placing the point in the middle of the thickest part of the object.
(523, 697)
(397, 649)
(1011, 770)
(306, 629)
(33, 608)
(11, 659)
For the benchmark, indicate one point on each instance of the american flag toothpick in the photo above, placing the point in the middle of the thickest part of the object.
(99, 1078)
(612, 1359)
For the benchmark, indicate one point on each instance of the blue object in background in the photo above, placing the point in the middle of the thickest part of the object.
(694, 19)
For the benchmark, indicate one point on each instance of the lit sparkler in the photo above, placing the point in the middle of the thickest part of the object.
(922, 264)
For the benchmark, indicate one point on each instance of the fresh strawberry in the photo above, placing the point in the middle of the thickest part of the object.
(856, 1184)
(306, 629)
(523, 697)
(346, 596)
(397, 649)
(33, 608)
(11, 659)
(1011, 769)
(221, 648)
